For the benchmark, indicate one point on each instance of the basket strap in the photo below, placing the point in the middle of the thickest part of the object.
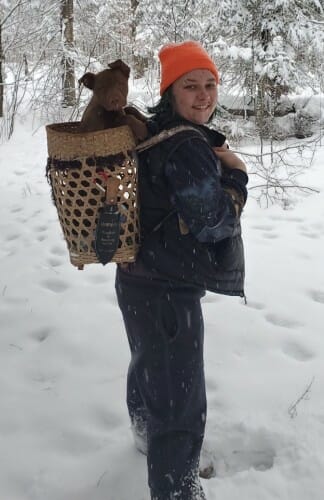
(165, 134)
(156, 139)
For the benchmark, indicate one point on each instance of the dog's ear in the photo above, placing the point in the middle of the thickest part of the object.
(88, 80)
(119, 64)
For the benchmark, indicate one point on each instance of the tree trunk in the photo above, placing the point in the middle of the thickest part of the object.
(139, 62)
(68, 74)
(260, 108)
(1, 76)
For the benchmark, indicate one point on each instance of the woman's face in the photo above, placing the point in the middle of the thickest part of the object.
(195, 95)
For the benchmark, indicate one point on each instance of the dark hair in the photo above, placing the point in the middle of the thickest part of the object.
(164, 109)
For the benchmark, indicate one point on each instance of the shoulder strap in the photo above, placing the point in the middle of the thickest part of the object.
(156, 139)
(166, 134)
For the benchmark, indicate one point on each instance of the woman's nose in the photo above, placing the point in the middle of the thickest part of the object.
(202, 94)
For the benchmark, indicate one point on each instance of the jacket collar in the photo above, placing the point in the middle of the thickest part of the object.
(157, 125)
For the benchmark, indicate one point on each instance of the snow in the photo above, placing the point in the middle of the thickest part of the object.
(64, 429)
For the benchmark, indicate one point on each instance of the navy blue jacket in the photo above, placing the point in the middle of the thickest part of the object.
(181, 177)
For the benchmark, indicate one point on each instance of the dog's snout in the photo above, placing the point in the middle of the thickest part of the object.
(115, 100)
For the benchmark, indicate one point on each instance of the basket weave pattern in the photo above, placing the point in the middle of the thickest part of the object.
(79, 166)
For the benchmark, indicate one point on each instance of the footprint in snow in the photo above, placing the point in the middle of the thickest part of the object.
(270, 236)
(53, 262)
(41, 228)
(255, 305)
(12, 237)
(36, 213)
(313, 236)
(41, 334)
(287, 219)
(104, 418)
(16, 301)
(211, 384)
(236, 451)
(55, 285)
(317, 296)
(58, 250)
(263, 227)
(297, 351)
(22, 220)
(4, 253)
(293, 219)
(41, 237)
(15, 210)
(20, 172)
(281, 321)
(309, 231)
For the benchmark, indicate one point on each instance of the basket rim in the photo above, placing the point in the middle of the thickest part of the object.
(62, 128)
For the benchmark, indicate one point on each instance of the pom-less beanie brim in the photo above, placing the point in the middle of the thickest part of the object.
(177, 59)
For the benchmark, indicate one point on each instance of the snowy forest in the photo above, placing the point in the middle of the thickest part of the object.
(270, 53)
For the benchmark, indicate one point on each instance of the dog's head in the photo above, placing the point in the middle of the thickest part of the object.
(110, 86)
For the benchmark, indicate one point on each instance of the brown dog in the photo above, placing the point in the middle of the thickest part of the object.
(106, 107)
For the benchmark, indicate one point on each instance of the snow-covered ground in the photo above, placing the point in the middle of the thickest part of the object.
(64, 430)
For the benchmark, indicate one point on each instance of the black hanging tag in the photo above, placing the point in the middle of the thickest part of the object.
(108, 227)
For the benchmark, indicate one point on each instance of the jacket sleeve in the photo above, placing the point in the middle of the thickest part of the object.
(196, 190)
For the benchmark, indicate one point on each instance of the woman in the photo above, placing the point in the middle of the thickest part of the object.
(190, 207)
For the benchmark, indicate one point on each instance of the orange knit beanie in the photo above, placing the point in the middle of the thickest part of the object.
(179, 58)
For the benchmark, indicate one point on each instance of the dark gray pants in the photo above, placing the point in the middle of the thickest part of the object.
(166, 395)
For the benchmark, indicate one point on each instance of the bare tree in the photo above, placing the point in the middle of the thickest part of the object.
(68, 73)
(10, 21)
(3, 19)
(1, 75)
(276, 170)
(139, 62)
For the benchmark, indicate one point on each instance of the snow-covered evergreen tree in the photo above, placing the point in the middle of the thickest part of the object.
(173, 21)
(275, 40)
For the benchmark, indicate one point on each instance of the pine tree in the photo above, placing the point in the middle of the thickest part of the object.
(271, 47)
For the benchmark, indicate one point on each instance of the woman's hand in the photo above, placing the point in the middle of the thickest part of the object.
(229, 159)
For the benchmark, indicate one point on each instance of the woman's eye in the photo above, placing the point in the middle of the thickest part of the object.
(209, 86)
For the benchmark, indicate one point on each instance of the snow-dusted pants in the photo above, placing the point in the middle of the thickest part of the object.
(166, 395)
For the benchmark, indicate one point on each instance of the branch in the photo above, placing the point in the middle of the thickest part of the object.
(277, 171)
(315, 21)
(292, 410)
(18, 4)
(296, 145)
(285, 186)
